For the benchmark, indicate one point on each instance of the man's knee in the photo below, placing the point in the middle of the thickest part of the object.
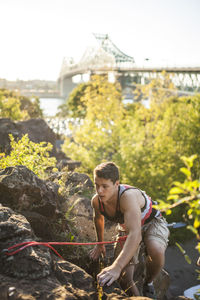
(155, 251)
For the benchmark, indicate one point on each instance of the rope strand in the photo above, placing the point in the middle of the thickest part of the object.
(25, 245)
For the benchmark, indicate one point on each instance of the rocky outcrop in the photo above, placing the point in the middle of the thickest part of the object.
(78, 183)
(38, 131)
(38, 200)
(20, 188)
(35, 271)
(33, 210)
(71, 165)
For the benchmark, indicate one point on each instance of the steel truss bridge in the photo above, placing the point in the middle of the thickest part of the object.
(109, 59)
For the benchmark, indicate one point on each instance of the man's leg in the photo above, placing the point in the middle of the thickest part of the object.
(155, 239)
(126, 277)
(155, 260)
(126, 281)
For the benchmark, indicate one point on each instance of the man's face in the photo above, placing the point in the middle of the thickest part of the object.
(105, 188)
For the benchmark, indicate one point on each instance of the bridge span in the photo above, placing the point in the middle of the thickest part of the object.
(107, 58)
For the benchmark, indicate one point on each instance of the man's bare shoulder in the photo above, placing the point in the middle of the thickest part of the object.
(94, 201)
(132, 197)
(133, 193)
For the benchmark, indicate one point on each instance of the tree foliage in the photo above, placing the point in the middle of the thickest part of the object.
(97, 136)
(146, 143)
(157, 90)
(74, 106)
(17, 107)
(187, 194)
(27, 153)
(154, 139)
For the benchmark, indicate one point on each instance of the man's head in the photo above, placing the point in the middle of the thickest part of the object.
(107, 170)
(106, 179)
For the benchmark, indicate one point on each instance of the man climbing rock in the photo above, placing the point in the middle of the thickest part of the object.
(137, 220)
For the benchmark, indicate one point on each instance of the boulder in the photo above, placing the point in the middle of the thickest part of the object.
(35, 273)
(21, 189)
(7, 127)
(71, 165)
(78, 182)
(37, 130)
(38, 200)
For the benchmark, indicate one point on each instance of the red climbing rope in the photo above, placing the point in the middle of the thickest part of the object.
(24, 245)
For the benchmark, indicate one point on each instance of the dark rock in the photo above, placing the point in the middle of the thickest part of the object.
(78, 182)
(69, 164)
(21, 189)
(41, 225)
(36, 273)
(34, 270)
(37, 130)
(38, 200)
(7, 127)
(32, 262)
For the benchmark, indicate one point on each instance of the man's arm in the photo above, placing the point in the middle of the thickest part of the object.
(130, 206)
(99, 227)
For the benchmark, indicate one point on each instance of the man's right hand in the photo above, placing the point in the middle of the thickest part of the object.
(96, 252)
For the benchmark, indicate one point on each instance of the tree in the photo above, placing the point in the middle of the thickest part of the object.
(146, 143)
(74, 106)
(18, 107)
(153, 140)
(97, 137)
(158, 89)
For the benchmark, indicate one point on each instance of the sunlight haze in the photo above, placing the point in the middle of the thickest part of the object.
(37, 34)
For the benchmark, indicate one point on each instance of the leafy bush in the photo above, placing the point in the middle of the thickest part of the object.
(32, 155)
(187, 194)
(17, 107)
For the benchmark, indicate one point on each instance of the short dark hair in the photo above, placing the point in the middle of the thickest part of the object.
(107, 170)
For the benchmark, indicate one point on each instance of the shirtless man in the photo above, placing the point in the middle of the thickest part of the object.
(132, 209)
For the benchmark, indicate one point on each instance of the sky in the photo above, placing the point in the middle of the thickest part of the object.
(37, 34)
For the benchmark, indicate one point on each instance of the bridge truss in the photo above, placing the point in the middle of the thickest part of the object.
(109, 47)
(108, 58)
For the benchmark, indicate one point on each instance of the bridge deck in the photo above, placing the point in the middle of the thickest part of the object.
(73, 72)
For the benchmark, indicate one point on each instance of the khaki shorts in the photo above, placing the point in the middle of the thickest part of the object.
(154, 230)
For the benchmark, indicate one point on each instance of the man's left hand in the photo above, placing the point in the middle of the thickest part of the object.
(108, 275)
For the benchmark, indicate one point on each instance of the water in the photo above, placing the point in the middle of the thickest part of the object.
(50, 106)
(61, 125)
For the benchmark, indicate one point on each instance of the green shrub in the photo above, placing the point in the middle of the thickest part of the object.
(17, 107)
(32, 155)
(186, 194)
